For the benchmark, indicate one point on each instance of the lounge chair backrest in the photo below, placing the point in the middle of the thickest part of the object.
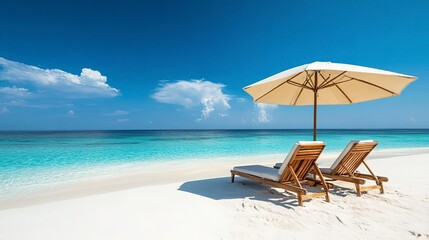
(352, 156)
(301, 158)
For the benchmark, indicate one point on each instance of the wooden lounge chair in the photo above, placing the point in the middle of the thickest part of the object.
(292, 173)
(344, 168)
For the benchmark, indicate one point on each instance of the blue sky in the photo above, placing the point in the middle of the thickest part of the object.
(183, 64)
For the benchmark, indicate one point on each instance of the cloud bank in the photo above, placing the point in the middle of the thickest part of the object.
(193, 93)
(90, 83)
(263, 111)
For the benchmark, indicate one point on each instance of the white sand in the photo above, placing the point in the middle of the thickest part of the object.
(198, 201)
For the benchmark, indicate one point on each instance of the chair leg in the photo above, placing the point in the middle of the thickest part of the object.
(232, 177)
(327, 197)
(316, 170)
(381, 187)
(300, 200)
(358, 193)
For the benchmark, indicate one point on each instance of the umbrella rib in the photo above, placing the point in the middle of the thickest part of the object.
(341, 90)
(299, 85)
(265, 94)
(324, 79)
(323, 85)
(308, 80)
(301, 89)
(374, 85)
(333, 84)
(299, 94)
(339, 82)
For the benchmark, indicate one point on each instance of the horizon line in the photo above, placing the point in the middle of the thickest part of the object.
(208, 129)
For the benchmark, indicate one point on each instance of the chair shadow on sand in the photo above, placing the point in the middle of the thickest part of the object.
(343, 191)
(222, 189)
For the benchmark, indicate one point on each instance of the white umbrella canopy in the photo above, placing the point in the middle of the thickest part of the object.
(328, 83)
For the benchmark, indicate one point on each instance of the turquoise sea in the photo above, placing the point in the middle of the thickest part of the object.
(34, 159)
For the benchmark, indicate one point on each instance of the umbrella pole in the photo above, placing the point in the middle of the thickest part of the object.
(315, 117)
(315, 108)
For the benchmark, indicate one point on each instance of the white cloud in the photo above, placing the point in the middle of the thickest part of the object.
(194, 93)
(118, 113)
(241, 99)
(89, 83)
(263, 109)
(14, 91)
(70, 113)
(4, 110)
(123, 120)
(32, 104)
(18, 102)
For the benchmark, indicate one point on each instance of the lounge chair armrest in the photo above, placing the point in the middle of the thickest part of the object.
(318, 183)
(345, 178)
(370, 177)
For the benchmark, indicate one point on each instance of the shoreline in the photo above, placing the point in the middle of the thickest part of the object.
(153, 174)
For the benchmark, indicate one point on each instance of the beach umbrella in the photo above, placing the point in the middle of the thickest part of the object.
(327, 83)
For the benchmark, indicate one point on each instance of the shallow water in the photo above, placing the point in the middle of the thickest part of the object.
(30, 160)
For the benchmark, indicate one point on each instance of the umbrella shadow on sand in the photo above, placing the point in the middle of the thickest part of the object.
(223, 189)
